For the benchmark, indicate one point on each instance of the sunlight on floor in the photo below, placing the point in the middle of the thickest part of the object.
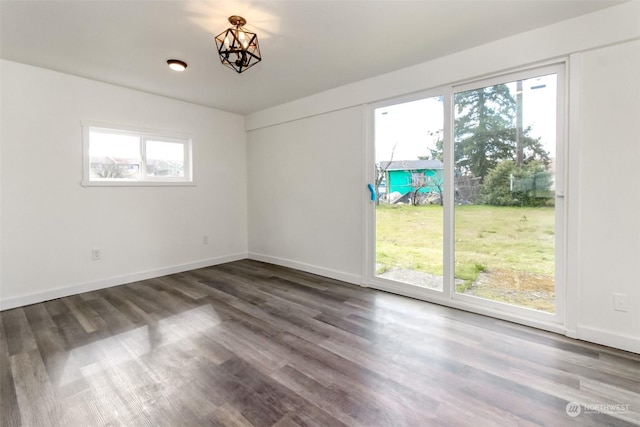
(114, 350)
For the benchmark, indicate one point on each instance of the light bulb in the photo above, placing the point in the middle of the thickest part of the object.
(242, 38)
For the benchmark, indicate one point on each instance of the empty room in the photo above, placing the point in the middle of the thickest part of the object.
(319, 213)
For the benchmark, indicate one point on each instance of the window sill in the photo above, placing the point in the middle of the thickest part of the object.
(138, 184)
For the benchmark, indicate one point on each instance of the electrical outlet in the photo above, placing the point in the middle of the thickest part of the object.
(620, 302)
(205, 240)
(96, 254)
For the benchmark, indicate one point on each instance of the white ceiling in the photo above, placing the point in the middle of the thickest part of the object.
(307, 46)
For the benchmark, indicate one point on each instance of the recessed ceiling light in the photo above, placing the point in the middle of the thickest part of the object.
(177, 65)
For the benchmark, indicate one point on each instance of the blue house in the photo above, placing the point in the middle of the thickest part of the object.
(405, 176)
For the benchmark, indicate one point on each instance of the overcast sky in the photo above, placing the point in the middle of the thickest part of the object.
(413, 126)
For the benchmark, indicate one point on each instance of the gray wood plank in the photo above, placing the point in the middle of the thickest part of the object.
(253, 344)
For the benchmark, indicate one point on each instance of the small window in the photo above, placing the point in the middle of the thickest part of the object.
(121, 156)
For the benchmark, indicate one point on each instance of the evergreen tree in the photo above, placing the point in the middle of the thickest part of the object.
(485, 131)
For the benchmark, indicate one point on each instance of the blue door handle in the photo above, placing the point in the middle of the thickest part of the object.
(373, 192)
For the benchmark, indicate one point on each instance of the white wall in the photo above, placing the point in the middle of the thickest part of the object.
(609, 188)
(50, 222)
(603, 246)
(305, 194)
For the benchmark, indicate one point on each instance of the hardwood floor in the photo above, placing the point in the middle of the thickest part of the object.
(252, 344)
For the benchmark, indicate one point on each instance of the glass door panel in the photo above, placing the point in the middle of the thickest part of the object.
(409, 180)
(505, 184)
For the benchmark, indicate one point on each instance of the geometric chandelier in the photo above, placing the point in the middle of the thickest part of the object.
(237, 47)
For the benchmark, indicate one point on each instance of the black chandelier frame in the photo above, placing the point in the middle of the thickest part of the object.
(237, 47)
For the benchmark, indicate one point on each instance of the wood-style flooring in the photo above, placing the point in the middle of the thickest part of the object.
(252, 344)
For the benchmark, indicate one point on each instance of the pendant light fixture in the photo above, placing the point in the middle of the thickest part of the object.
(237, 47)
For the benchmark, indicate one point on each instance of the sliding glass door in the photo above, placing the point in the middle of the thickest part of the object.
(470, 205)
(409, 181)
(506, 182)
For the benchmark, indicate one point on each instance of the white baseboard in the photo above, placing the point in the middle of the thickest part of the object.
(20, 301)
(309, 268)
(600, 336)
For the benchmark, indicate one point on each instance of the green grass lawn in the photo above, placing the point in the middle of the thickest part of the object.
(409, 238)
(514, 246)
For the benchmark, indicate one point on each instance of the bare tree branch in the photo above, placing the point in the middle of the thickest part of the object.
(381, 173)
